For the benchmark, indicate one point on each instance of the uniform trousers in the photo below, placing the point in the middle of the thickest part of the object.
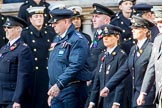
(73, 96)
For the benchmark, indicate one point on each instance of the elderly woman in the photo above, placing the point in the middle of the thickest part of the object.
(135, 64)
(108, 64)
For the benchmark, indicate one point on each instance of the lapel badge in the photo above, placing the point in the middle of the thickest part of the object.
(114, 53)
(140, 51)
(13, 47)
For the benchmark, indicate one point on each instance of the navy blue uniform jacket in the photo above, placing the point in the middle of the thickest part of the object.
(68, 59)
(105, 70)
(15, 74)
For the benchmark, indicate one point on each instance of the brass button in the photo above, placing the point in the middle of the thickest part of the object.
(35, 50)
(36, 67)
(33, 41)
(35, 59)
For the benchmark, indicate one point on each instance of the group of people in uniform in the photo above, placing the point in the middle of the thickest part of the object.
(46, 60)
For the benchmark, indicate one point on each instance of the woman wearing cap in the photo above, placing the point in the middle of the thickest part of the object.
(23, 13)
(39, 39)
(135, 64)
(108, 63)
(77, 21)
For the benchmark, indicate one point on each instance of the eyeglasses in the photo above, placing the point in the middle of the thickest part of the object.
(8, 27)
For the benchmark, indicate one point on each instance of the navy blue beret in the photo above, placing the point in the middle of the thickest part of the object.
(110, 29)
(141, 22)
(58, 14)
(100, 9)
(14, 21)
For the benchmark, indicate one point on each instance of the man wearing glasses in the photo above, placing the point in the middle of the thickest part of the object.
(15, 67)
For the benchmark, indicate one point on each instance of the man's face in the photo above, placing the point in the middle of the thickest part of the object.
(59, 26)
(77, 22)
(126, 6)
(99, 20)
(11, 32)
(37, 20)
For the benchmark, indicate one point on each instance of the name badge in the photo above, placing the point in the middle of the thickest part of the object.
(61, 52)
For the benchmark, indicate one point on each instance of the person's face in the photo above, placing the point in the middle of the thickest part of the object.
(139, 33)
(126, 6)
(37, 20)
(99, 20)
(11, 32)
(77, 22)
(148, 16)
(110, 41)
(59, 26)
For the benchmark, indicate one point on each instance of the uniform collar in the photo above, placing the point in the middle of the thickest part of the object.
(140, 44)
(13, 41)
(111, 49)
(63, 35)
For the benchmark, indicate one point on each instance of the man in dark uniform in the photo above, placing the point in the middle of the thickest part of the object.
(39, 39)
(34, 3)
(16, 63)
(144, 10)
(67, 65)
(77, 21)
(122, 19)
(3, 39)
(101, 16)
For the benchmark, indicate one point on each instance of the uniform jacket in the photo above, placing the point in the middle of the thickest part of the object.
(154, 32)
(105, 70)
(15, 74)
(153, 72)
(68, 59)
(3, 39)
(39, 42)
(25, 15)
(137, 69)
(96, 51)
(126, 38)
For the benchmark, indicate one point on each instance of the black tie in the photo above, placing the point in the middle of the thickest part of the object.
(8, 46)
(136, 53)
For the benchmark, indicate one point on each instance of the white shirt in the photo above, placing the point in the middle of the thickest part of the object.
(13, 41)
(140, 43)
(64, 34)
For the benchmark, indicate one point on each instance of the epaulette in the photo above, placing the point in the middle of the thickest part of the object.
(24, 44)
(79, 35)
(122, 51)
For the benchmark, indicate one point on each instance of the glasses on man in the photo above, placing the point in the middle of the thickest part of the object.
(8, 27)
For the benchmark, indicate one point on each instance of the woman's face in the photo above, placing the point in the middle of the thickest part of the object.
(77, 22)
(139, 33)
(110, 41)
(37, 20)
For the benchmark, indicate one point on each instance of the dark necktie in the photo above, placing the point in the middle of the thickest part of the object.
(136, 54)
(8, 46)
